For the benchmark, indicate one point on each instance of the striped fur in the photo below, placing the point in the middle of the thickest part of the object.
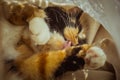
(43, 65)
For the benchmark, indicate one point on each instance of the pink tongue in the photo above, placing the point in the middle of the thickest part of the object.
(67, 44)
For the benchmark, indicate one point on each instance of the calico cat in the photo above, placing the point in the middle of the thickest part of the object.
(65, 20)
(53, 58)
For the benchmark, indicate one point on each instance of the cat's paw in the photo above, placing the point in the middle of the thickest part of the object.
(40, 30)
(95, 58)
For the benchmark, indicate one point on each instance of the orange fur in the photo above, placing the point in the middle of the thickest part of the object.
(40, 66)
(71, 33)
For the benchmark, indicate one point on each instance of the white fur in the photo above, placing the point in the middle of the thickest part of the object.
(10, 34)
(56, 41)
(95, 62)
(82, 35)
(40, 31)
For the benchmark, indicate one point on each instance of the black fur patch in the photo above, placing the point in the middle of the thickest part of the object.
(75, 50)
(82, 41)
(57, 18)
(71, 63)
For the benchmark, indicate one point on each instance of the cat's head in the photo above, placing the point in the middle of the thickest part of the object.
(72, 30)
(66, 21)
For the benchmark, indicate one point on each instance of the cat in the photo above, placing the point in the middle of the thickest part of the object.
(8, 24)
(61, 56)
(64, 17)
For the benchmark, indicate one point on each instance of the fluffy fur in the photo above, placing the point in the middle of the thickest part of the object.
(71, 34)
(40, 31)
(65, 20)
(43, 65)
(95, 58)
(51, 59)
(9, 38)
(56, 41)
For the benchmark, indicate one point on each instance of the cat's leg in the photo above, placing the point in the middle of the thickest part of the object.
(39, 28)
(49, 64)
(94, 56)
(71, 61)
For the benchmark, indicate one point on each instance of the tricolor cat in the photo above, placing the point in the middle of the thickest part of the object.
(37, 46)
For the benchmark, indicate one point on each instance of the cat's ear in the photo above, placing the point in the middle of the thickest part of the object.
(75, 12)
